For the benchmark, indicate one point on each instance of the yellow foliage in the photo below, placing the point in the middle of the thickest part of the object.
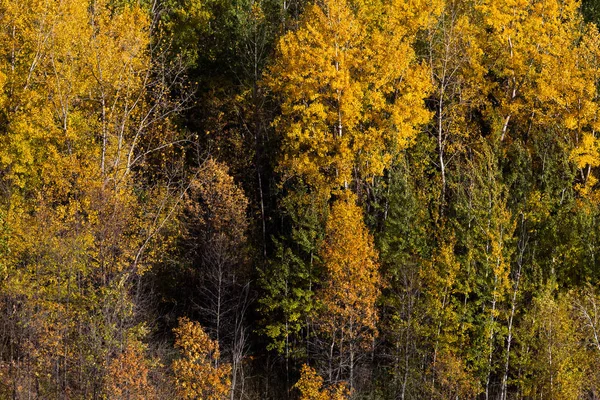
(73, 95)
(2, 95)
(455, 380)
(219, 203)
(351, 89)
(310, 386)
(554, 357)
(352, 282)
(537, 51)
(198, 373)
(586, 156)
(587, 152)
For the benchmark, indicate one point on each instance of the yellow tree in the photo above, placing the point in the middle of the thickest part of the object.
(457, 72)
(350, 87)
(77, 116)
(310, 386)
(538, 53)
(47, 154)
(348, 316)
(553, 361)
(198, 375)
(585, 118)
(543, 65)
(585, 304)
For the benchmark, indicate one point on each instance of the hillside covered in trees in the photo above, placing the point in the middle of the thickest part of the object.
(299, 199)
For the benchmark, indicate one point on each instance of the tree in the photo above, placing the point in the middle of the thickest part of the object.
(347, 318)
(81, 113)
(198, 373)
(216, 224)
(487, 230)
(460, 90)
(310, 386)
(351, 90)
(551, 359)
(584, 303)
(127, 376)
(404, 248)
(289, 280)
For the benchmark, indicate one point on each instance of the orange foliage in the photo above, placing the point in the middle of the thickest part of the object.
(128, 376)
(219, 203)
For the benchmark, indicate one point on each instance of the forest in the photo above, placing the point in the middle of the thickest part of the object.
(299, 199)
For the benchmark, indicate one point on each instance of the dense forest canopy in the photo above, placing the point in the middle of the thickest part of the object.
(299, 199)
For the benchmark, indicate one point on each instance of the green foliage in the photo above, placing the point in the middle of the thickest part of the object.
(289, 280)
(591, 10)
(288, 300)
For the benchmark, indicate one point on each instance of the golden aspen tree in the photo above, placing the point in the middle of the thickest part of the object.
(198, 375)
(351, 90)
(48, 177)
(42, 61)
(454, 380)
(310, 386)
(585, 303)
(457, 72)
(534, 50)
(585, 117)
(352, 96)
(348, 316)
(543, 61)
